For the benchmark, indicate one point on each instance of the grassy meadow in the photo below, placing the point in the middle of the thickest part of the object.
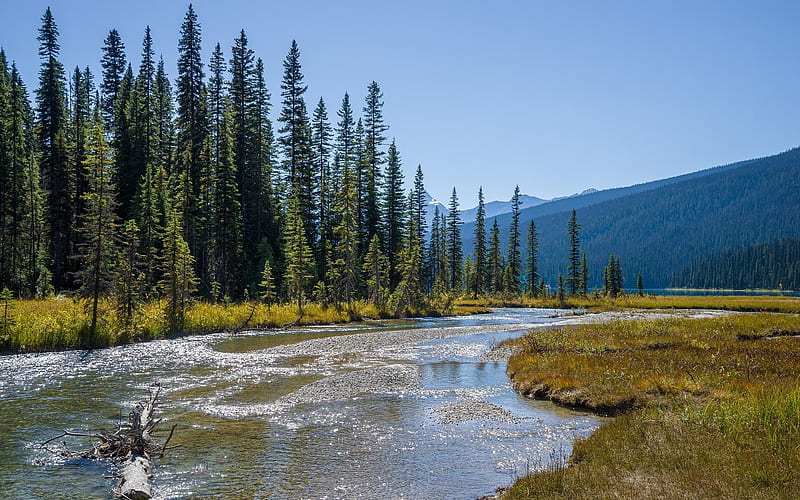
(705, 408)
(602, 303)
(64, 323)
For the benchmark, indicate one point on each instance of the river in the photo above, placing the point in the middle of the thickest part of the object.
(381, 409)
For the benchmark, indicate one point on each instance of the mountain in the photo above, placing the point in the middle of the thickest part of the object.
(430, 208)
(494, 208)
(658, 228)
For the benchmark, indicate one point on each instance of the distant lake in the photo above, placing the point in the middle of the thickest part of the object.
(695, 291)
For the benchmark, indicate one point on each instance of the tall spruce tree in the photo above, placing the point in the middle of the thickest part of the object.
(479, 252)
(192, 125)
(418, 222)
(227, 219)
(296, 141)
(394, 210)
(321, 137)
(532, 274)
(573, 281)
(495, 262)
(455, 254)
(374, 137)
(145, 128)
(56, 176)
(514, 254)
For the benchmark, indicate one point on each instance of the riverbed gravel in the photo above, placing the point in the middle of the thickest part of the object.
(378, 380)
(464, 411)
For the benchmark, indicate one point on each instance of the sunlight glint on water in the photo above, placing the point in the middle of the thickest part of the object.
(240, 440)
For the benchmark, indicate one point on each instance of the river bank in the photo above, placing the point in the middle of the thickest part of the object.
(705, 407)
(376, 409)
(63, 323)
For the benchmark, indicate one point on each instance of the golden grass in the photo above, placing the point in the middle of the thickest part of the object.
(729, 303)
(710, 408)
(64, 323)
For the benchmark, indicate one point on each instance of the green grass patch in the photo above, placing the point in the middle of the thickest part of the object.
(707, 408)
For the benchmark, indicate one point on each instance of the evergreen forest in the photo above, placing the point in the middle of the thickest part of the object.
(132, 186)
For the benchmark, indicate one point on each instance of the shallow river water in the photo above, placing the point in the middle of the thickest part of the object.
(373, 410)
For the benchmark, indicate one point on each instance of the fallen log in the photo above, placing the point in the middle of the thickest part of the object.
(130, 446)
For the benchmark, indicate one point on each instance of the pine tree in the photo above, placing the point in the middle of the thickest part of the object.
(267, 285)
(114, 65)
(612, 277)
(374, 157)
(267, 227)
(56, 176)
(227, 218)
(79, 122)
(639, 285)
(394, 211)
(584, 276)
(296, 141)
(122, 142)
(560, 293)
(129, 277)
(574, 265)
(495, 262)
(321, 137)
(435, 250)
(481, 267)
(165, 126)
(418, 223)
(245, 122)
(192, 124)
(345, 253)
(143, 112)
(178, 281)
(408, 295)
(98, 227)
(455, 254)
(532, 275)
(299, 259)
(376, 273)
(514, 254)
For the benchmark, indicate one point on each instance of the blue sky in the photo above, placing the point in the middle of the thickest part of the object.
(553, 96)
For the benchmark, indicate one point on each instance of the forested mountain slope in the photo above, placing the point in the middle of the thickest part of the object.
(661, 227)
(772, 265)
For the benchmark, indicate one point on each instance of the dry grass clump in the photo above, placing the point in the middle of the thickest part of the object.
(708, 408)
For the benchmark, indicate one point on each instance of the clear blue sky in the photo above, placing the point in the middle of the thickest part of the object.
(553, 96)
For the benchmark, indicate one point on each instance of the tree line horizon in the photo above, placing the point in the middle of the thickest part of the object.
(139, 190)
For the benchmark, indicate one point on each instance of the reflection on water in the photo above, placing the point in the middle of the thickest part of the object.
(239, 441)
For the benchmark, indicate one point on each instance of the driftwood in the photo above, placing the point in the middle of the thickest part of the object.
(130, 445)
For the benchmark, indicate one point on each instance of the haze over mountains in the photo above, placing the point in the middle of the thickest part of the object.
(659, 228)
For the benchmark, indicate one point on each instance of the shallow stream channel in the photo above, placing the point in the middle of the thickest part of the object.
(382, 409)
